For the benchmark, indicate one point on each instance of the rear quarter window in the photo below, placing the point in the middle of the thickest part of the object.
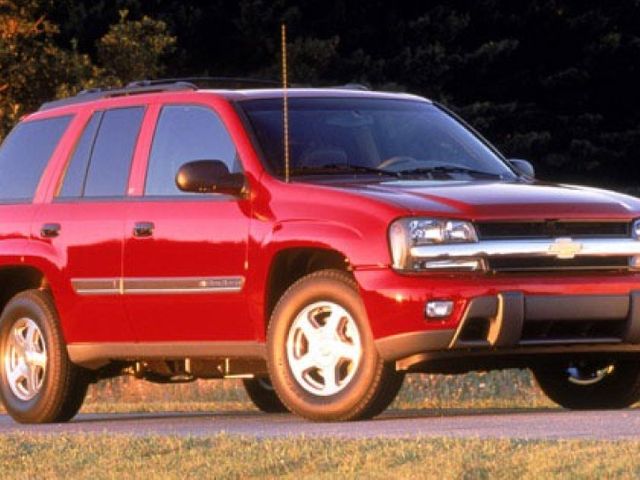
(25, 154)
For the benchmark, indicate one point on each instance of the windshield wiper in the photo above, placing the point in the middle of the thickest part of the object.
(449, 169)
(342, 168)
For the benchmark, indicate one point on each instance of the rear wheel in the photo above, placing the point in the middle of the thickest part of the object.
(585, 385)
(38, 383)
(261, 392)
(322, 359)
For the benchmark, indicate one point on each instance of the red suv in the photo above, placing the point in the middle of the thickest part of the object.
(157, 231)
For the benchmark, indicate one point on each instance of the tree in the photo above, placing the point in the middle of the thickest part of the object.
(134, 50)
(32, 67)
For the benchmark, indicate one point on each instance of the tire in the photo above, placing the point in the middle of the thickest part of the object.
(391, 384)
(57, 387)
(321, 356)
(591, 386)
(263, 396)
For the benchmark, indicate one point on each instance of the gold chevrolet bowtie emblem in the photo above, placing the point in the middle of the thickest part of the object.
(565, 248)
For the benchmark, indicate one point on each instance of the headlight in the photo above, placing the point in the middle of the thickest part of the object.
(410, 232)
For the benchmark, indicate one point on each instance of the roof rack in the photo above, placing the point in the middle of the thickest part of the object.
(159, 85)
(352, 86)
(210, 82)
(100, 93)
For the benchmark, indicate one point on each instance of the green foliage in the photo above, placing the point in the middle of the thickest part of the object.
(554, 81)
(133, 50)
(32, 67)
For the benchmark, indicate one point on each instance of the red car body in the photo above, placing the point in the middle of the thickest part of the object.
(241, 238)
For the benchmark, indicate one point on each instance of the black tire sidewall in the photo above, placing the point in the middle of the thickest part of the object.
(28, 305)
(619, 389)
(312, 289)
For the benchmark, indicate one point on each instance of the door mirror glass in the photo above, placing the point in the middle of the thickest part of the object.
(523, 167)
(209, 176)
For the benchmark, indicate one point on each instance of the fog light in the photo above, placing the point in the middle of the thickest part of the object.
(439, 308)
(634, 263)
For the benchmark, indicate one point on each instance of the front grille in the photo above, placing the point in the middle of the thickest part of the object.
(551, 229)
(533, 264)
(554, 229)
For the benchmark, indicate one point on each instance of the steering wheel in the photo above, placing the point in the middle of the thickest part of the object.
(398, 163)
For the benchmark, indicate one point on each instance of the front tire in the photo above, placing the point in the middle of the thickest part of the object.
(589, 385)
(38, 382)
(321, 356)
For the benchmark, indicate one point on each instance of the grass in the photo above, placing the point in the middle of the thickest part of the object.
(503, 389)
(222, 456)
(98, 456)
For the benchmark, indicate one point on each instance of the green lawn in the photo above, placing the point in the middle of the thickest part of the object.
(221, 456)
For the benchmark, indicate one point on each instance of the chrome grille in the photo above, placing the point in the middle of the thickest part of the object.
(551, 229)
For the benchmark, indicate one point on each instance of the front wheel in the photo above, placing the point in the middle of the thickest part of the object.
(321, 356)
(586, 385)
(38, 382)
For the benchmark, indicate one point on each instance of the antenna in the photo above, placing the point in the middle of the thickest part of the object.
(285, 104)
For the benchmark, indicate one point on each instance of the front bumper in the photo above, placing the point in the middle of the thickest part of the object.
(500, 312)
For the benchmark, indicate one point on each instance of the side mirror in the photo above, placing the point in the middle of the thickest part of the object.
(209, 176)
(523, 167)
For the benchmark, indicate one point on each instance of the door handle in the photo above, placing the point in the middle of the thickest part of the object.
(50, 230)
(143, 229)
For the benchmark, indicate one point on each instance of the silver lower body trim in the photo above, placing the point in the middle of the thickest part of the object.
(157, 285)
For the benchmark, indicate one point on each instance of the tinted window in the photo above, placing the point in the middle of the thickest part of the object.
(112, 152)
(327, 134)
(77, 167)
(183, 134)
(25, 154)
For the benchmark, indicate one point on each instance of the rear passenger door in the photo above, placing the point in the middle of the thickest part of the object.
(85, 225)
(185, 253)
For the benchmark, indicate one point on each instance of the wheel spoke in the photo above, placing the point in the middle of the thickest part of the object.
(32, 380)
(347, 351)
(32, 337)
(14, 374)
(18, 339)
(329, 374)
(311, 332)
(303, 364)
(37, 359)
(333, 322)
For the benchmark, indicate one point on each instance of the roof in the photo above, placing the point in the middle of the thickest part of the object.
(266, 90)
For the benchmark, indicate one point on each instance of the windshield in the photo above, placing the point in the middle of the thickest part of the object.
(370, 136)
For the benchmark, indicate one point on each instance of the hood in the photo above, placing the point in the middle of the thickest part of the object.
(495, 200)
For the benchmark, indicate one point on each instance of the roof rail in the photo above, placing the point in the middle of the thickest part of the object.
(100, 93)
(160, 85)
(352, 86)
(211, 82)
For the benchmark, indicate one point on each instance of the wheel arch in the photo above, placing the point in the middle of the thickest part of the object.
(290, 264)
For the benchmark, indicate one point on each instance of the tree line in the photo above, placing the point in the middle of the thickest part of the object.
(553, 81)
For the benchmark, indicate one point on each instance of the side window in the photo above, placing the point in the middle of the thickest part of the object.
(25, 154)
(77, 168)
(185, 133)
(108, 172)
(100, 164)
